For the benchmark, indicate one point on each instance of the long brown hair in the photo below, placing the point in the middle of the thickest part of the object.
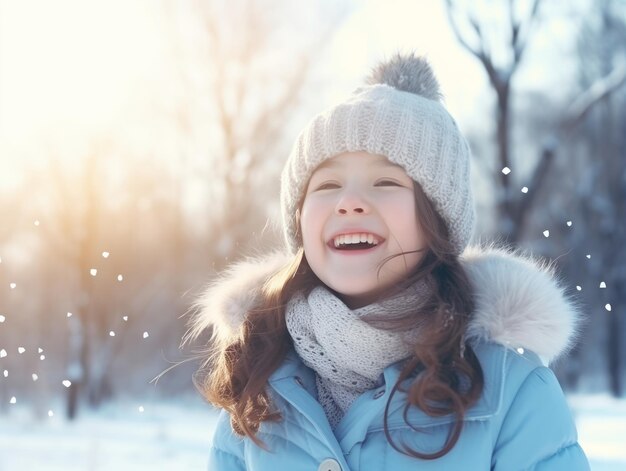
(448, 377)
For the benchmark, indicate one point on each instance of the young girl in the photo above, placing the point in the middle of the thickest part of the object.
(377, 341)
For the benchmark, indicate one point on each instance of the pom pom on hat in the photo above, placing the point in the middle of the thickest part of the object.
(408, 73)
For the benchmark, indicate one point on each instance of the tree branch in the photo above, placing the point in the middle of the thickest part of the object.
(599, 90)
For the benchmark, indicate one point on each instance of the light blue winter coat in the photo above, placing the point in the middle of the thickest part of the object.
(521, 421)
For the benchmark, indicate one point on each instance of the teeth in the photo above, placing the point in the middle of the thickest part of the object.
(355, 239)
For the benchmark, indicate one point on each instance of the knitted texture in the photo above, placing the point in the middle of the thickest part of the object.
(347, 354)
(412, 130)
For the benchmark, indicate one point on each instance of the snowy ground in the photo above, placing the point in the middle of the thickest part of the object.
(175, 437)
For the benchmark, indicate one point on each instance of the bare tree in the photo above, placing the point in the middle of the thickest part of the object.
(76, 227)
(250, 85)
(500, 69)
(599, 112)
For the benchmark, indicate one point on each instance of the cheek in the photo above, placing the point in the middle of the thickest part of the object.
(404, 223)
(311, 221)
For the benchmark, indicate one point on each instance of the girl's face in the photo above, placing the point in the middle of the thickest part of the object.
(359, 209)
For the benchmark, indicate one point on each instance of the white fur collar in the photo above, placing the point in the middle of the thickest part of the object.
(519, 302)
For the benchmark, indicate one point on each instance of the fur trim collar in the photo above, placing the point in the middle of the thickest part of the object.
(519, 301)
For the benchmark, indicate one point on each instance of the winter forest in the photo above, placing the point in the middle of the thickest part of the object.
(141, 144)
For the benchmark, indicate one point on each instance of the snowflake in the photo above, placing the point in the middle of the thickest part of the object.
(608, 307)
(105, 254)
(93, 271)
(506, 170)
(146, 335)
(67, 383)
(546, 233)
(603, 285)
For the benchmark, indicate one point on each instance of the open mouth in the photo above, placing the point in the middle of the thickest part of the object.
(353, 242)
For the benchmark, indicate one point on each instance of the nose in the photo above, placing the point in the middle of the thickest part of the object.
(351, 203)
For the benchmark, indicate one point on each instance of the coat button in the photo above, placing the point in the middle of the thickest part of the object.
(329, 465)
(380, 393)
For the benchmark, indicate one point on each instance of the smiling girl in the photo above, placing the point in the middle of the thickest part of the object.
(377, 340)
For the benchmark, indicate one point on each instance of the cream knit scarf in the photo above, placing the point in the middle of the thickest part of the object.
(347, 354)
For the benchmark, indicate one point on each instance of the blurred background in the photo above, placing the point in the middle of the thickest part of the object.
(141, 143)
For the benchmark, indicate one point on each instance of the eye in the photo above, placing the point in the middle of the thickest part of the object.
(327, 186)
(386, 182)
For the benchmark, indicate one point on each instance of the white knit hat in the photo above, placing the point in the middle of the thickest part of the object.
(399, 115)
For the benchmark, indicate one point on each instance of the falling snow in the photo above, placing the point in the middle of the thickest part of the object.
(2, 318)
(579, 288)
(546, 233)
(3, 353)
(588, 256)
(125, 318)
(42, 357)
(569, 223)
(93, 271)
(20, 350)
(36, 222)
(5, 373)
(603, 285)
(35, 377)
(608, 307)
(105, 254)
(112, 334)
(146, 335)
(13, 400)
(506, 170)
(525, 189)
(120, 277)
(12, 285)
(67, 383)
(69, 314)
